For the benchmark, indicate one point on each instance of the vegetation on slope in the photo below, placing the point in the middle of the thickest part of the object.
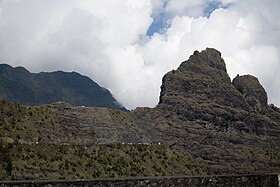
(20, 86)
(25, 152)
(22, 161)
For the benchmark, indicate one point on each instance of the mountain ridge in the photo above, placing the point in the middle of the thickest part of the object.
(20, 86)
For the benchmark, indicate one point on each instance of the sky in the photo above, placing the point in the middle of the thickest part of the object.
(127, 46)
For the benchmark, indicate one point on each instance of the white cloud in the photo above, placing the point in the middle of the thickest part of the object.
(247, 37)
(186, 7)
(158, 7)
(106, 40)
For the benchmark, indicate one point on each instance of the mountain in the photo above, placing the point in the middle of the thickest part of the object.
(204, 124)
(227, 124)
(200, 89)
(20, 86)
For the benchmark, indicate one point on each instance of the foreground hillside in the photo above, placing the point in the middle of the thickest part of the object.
(204, 124)
(20, 86)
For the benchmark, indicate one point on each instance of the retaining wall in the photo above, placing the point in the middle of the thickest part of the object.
(271, 180)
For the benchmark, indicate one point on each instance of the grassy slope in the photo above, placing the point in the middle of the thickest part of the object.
(75, 162)
(24, 154)
(26, 151)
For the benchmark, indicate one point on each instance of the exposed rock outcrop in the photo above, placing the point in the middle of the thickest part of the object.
(200, 89)
(250, 87)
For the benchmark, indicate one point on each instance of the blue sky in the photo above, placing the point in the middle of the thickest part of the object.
(159, 25)
(160, 21)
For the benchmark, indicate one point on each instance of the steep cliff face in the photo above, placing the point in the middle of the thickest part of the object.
(200, 89)
(215, 119)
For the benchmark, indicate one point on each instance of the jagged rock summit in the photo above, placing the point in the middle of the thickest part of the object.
(201, 79)
(201, 89)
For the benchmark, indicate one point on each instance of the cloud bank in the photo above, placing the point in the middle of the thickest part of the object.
(128, 45)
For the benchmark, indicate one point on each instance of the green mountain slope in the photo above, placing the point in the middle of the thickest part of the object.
(20, 86)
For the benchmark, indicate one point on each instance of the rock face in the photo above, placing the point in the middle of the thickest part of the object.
(20, 86)
(201, 89)
(208, 114)
(250, 87)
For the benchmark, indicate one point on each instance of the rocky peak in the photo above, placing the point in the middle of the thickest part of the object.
(250, 87)
(208, 63)
(201, 79)
(210, 56)
(200, 91)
